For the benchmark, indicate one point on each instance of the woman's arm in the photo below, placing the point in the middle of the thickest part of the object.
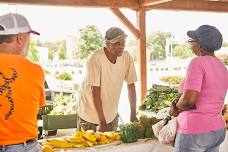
(187, 100)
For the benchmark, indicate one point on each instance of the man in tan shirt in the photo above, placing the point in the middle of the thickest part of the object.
(107, 69)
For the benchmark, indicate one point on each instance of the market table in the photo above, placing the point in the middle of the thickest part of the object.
(140, 146)
(143, 145)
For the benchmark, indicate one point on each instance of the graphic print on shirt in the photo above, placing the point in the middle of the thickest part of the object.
(8, 90)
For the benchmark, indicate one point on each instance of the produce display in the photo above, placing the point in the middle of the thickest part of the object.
(138, 130)
(172, 80)
(159, 97)
(80, 139)
(63, 105)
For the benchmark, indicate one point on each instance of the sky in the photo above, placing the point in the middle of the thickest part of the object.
(56, 23)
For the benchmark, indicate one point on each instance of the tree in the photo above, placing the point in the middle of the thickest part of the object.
(225, 44)
(62, 50)
(157, 41)
(33, 54)
(182, 51)
(56, 46)
(131, 46)
(155, 46)
(90, 39)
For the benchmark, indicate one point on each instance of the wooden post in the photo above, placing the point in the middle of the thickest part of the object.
(141, 22)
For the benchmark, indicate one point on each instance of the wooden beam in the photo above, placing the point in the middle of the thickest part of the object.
(219, 0)
(133, 4)
(192, 5)
(126, 22)
(141, 21)
(146, 3)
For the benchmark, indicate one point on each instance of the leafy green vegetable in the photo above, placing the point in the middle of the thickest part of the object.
(159, 97)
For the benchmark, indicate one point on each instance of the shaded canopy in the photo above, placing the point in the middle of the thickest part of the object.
(192, 5)
(140, 6)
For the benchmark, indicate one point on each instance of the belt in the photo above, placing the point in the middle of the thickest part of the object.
(26, 142)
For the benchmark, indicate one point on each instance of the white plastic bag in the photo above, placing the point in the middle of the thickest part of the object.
(168, 133)
(158, 126)
(165, 131)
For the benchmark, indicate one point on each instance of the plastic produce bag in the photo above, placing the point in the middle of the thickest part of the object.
(165, 130)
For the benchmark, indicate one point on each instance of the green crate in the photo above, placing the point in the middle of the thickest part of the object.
(54, 122)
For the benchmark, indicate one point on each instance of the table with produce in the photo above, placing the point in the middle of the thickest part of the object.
(133, 137)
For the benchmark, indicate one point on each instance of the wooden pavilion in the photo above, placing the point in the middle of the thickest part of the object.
(140, 7)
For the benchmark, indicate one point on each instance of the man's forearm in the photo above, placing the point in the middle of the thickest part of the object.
(132, 99)
(188, 100)
(98, 104)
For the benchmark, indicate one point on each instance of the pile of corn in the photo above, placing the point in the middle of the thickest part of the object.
(80, 139)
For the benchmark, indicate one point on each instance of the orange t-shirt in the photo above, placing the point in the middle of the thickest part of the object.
(21, 94)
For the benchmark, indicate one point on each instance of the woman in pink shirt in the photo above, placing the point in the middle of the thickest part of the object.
(202, 129)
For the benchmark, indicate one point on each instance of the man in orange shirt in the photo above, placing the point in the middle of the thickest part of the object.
(21, 87)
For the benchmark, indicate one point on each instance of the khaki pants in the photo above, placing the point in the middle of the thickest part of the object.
(112, 126)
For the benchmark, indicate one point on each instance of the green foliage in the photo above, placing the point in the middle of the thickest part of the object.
(47, 72)
(64, 76)
(157, 41)
(182, 51)
(225, 44)
(129, 133)
(90, 39)
(147, 123)
(56, 47)
(62, 52)
(172, 80)
(159, 97)
(131, 46)
(155, 45)
(33, 54)
(223, 58)
(148, 132)
(139, 129)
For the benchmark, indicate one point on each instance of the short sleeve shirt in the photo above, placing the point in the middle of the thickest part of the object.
(208, 76)
(21, 94)
(110, 77)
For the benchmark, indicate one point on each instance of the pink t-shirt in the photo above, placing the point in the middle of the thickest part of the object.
(208, 76)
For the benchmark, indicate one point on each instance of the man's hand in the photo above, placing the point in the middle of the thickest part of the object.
(133, 118)
(102, 127)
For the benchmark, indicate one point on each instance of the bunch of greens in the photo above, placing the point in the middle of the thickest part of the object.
(129, 133)
(159, 97)
(147, 123)
(139, 129)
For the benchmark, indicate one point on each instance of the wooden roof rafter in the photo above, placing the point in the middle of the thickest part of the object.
(126, 22)
(193, 5)
(146, 3)
(218, 0)
(186, 5)
(132, 4)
